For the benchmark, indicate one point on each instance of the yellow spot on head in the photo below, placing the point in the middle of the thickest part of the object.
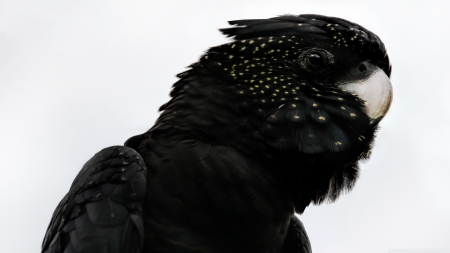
(314, 105)
(352, 115)
(321, 118)
(340, 99)
(230, 56)
(337, 143)
(294, 105)
(343, 108)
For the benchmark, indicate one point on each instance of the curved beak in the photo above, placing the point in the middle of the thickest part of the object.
(376, 91)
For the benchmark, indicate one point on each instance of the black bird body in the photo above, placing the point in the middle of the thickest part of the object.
(233, 198)
(255, 131)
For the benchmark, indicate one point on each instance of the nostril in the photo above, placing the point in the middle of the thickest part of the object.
(362, 67)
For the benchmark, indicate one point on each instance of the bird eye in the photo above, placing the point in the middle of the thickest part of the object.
(315, 59)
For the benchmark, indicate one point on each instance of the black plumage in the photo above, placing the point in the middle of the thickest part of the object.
(255, 131)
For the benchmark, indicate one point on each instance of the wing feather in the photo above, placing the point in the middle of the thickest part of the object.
(102, 212)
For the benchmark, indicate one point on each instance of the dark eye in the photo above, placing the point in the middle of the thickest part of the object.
(315, 59)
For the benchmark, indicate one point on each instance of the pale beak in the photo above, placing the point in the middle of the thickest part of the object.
(376, 91)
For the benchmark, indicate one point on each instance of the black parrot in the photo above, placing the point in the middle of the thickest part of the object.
(255, 131)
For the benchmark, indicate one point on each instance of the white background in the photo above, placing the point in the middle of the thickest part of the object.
(78, 76)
